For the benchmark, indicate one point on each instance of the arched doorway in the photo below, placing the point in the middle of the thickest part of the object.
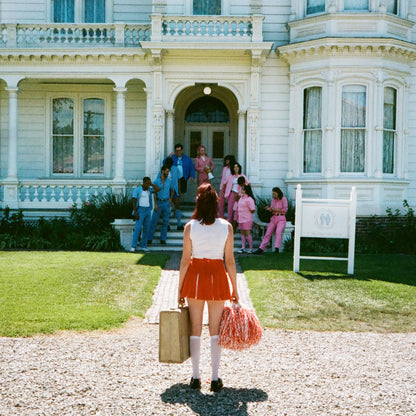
(208, 119)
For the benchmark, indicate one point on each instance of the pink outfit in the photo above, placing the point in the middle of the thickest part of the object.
(200, 165)
(277, 223)
(230, 195)
(245, 206)
(226, 172)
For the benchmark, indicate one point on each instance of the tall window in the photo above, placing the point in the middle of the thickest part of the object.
(63, 11)
(389, 129)
(94, 11)
(355, 5)
(78, 150)
(391, 6)
(63, 135)
(353, 128)
(315, 6)
(93, 136)
(207, 7)
(312, 130)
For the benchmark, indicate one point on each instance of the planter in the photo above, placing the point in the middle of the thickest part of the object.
(125, 227)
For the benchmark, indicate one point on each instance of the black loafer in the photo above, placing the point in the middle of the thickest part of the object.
(216, 385)
(259, 251)
(195, 383)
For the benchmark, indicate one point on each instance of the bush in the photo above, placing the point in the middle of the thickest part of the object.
(89, 227)
(264, 215)
(395, 233)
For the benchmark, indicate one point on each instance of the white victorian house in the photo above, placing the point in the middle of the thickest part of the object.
(95, 93)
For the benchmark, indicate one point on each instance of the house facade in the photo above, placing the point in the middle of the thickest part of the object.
(95, 93)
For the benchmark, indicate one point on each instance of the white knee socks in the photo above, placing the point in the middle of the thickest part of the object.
(195, 347)
(215, 357)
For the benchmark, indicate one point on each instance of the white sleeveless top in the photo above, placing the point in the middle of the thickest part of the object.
(208, 241)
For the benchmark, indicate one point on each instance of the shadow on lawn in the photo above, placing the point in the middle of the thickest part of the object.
(393, 268)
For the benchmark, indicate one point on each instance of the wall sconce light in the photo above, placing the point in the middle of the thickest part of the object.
(207, 90)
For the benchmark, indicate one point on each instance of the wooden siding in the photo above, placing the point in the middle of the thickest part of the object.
(273, 159)
(132, 11)
(23, 11)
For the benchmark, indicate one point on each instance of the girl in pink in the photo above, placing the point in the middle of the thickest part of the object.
(203, 165)
(231, 189)
(229, 160)
(246, 207)
(278, 208)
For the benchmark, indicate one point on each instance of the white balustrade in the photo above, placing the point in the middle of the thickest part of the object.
(207, 27)
(70, 34)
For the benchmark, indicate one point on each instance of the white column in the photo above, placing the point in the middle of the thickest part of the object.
(170, 131)
(375, 162)
(241, 157)
(252, 172)
(328, 123)
(120, 132)
(149, 128)
(12, 156)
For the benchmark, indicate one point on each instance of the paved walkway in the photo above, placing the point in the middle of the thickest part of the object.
(165, 295)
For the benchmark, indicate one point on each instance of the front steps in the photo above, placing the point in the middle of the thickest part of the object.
(174, 239)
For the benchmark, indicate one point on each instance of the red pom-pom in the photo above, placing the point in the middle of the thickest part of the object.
(240, 328)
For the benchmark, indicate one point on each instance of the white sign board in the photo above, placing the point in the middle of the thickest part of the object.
(325, 218)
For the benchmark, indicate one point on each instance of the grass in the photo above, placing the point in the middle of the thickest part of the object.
(44, 292)
(379, 297)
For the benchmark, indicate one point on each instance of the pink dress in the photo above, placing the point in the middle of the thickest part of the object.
(245, 206)
(200, 165)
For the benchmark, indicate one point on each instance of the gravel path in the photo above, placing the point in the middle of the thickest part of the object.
(288, 373)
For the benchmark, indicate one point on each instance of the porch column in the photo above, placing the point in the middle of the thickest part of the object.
(253, 116)
(329, 161)
(120, 132)
(12, 156)
(375, 161)
(242, 156)
(11, 182)
(170, 132)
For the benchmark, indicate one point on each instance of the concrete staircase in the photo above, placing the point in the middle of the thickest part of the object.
(174, 239)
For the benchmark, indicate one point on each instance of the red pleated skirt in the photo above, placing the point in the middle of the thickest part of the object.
(206, 279)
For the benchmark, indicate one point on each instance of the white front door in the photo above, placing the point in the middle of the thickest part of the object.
(215, 137)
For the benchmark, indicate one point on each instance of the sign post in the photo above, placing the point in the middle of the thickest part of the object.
(325, 218)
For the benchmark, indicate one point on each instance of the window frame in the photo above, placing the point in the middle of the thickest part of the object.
(78, 159)
(321, 129)
(368, 92)
(395, 133)
(79, 12)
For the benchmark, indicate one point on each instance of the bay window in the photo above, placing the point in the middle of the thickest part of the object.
(63, 135)
(94, 11)
(315, 6)
(391, 6)
(355, 5)
(207, 7)
(312, 130)
(78, 148)
(353, 128)
(71, 11)
(389, 129)
(64, 11)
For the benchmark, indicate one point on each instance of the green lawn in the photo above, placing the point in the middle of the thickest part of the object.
(380, 296)
(43, 292)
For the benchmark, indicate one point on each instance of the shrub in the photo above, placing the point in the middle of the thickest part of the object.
(264, 215)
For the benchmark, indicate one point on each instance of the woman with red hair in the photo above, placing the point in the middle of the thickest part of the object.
(207, 241)
(203, 165)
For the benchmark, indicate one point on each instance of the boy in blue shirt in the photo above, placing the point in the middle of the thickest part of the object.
(162, 201)
(142, 209)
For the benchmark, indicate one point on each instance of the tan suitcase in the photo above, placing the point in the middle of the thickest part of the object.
(174, 331)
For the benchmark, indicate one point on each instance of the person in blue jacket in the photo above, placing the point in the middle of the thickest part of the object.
(185, 170)
(142, 201)
(162, 201)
